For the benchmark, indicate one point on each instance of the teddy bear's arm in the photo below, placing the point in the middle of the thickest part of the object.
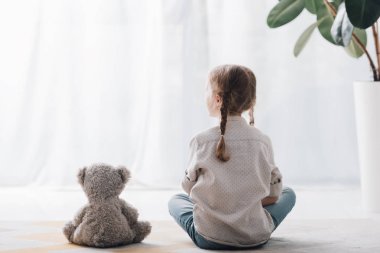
(72, 225)
(129, 212)
(79, 216)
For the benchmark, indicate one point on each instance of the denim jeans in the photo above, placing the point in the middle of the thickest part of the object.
(181, 208)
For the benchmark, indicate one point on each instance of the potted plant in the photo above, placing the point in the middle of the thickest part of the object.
(344, 23)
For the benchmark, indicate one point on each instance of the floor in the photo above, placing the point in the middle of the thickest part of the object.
(325, 219)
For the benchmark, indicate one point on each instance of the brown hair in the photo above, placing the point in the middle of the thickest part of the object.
(236, 85)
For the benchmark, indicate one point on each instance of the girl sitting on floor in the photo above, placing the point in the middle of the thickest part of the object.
(235, 197)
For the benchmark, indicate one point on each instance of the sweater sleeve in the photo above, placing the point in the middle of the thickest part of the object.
(276, 176)
(191, 173)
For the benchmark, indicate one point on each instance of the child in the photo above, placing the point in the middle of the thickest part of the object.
(235, 197)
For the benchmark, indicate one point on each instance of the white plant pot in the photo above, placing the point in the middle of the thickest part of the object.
(367, 110)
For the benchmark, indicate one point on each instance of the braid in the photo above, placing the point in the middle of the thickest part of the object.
(224, 112)
(236, 86)
(251, 117)
(252, 121)
(221, 147)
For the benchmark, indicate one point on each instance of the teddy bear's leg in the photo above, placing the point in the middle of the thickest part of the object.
(68, 230)
(142, 229)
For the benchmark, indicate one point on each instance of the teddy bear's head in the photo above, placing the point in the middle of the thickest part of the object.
(101, 181)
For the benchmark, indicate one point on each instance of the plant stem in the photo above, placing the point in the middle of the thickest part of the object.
(373, 67)
(375, 33)
(330, 7)
(376, 77)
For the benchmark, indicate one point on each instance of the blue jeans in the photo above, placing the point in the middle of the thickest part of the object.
(181, 208)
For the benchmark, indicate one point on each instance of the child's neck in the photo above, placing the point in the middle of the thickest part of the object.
(230, 115)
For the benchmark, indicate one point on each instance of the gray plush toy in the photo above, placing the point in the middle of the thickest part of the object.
(107, 220)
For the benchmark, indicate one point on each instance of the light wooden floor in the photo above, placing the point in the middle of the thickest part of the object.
(296, 236)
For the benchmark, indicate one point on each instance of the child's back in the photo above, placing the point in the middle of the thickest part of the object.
(228, 195)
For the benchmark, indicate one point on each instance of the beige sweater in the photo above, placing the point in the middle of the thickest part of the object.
(227, 195)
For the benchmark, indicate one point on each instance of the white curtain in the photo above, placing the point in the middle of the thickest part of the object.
(122, 82)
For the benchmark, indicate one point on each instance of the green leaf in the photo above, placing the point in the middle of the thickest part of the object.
(325, 20)
(363, 13)
(303, 39)
(311, 5)
(353, 49)
(284, 12)
(336, 3)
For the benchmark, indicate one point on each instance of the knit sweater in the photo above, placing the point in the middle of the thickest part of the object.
(227, 195)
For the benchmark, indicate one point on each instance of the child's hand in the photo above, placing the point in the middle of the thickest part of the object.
(250, 113)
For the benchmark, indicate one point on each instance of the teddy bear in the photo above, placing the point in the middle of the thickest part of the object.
(106, 220)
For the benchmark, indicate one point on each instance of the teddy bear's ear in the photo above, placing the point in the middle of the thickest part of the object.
(81, 175)
(124, 173)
